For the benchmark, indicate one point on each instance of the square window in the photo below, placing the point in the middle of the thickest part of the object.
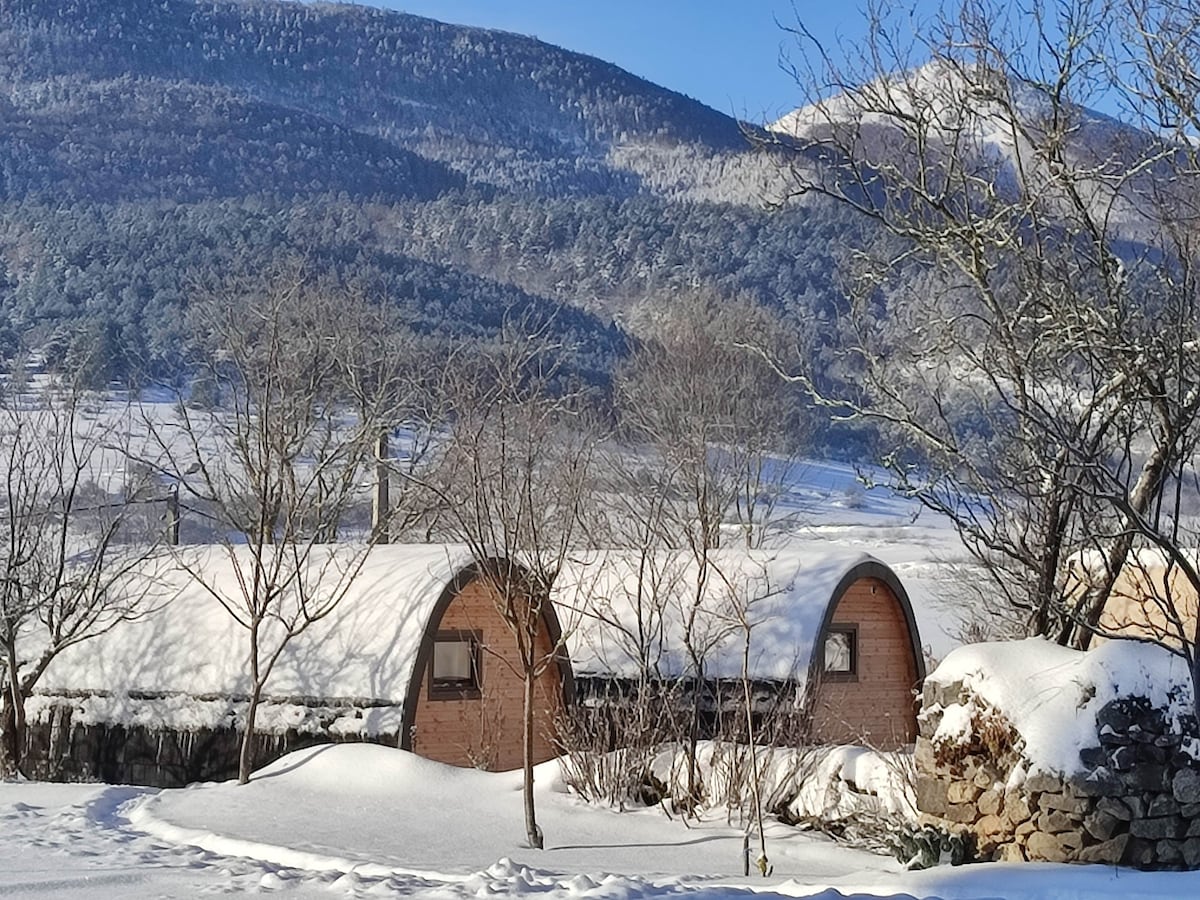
(452, 661)
(841, 651)
(454, 668)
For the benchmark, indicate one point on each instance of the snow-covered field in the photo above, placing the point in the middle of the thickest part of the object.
(366, 821)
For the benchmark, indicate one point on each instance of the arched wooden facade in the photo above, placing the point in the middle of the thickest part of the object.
(1151, 599)
(480, 724)
(874, 703)
(177, 677)
(831, 634)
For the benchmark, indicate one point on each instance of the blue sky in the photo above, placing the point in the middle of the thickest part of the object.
(722, 52)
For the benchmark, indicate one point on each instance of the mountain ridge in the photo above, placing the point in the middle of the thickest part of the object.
(381, 146)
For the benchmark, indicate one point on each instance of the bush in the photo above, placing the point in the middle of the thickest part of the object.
(928, 846)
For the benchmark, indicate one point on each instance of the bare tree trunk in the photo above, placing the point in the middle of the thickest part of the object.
(1149, 483)
(693, 788)
(246, 756)
(693, 745)
(12, 720)
(380, 501)
(1193, 659)
(532, 832)
(10, 747)
(755, 785)
(1049, 562)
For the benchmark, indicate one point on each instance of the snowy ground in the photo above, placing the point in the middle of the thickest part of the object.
(363, 821)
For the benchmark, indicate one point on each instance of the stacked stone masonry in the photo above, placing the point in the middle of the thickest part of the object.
(59, 749)
(1134, 802)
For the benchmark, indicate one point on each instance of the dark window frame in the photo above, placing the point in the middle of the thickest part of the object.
(851, 630)
(457, 689)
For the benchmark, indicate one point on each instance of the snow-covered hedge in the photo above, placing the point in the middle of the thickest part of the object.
(848, 790)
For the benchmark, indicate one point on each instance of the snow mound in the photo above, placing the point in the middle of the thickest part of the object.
(368, 812)
(1051, 694)
(371, 769)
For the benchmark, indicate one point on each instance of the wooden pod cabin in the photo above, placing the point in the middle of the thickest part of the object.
(416, 655)
(829, 634)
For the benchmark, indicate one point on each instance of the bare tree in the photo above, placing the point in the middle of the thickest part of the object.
(72, 567)
(715, 421)
(625, 601)
(714, 428)
(1024, 329)
(307, 374)
(515, 480)
(742, 606)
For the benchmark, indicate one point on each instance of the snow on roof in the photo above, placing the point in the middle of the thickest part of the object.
(365, 649)
(619, 607)
(1093, 563)
(1051, 694)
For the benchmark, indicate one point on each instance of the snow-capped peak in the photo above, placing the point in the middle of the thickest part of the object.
(943, 96)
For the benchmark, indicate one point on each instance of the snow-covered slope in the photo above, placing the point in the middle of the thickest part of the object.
(997, 129)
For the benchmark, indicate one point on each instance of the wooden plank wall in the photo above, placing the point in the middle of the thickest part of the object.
(486, 732)
(878, 708)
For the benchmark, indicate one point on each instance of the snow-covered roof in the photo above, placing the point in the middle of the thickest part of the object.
(1094, 563)
(619, 607)
(191, 651)
(365, 649)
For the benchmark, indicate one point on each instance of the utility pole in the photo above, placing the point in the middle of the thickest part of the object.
(380, 503)
(173, 514)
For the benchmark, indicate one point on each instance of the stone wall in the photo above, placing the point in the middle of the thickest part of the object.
(60, 749)
(1134, 801)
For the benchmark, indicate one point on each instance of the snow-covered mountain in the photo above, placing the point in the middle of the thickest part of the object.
(1002, 130)
(956, 103)
(146, 144)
